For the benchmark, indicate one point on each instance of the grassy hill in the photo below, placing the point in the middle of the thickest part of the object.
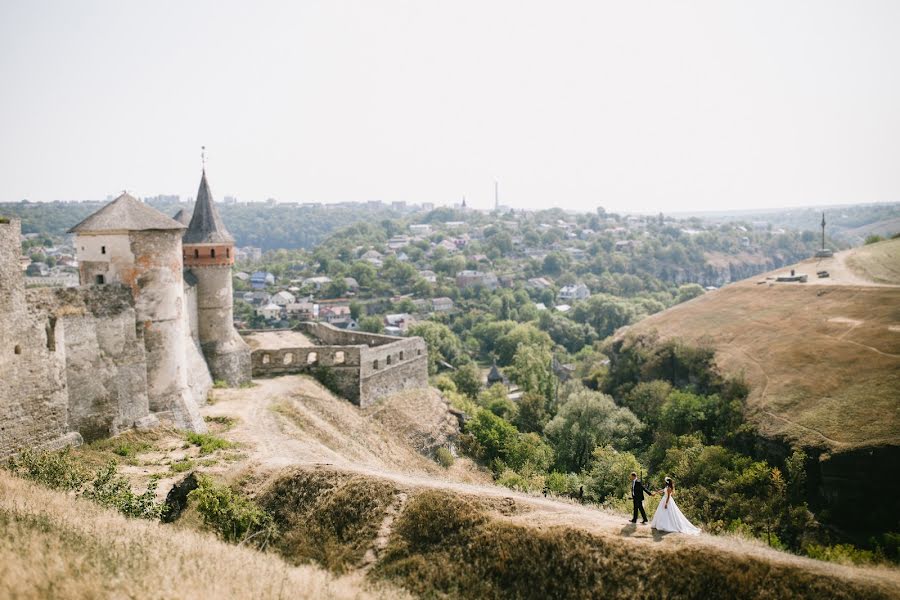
(822, 358)
(55, 546)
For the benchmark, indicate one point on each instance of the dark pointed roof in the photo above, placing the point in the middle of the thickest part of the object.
(206, 225)
(126, 213)
(495, 376)
(182, 217)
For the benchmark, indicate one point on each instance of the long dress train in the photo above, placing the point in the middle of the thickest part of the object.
(671, 518)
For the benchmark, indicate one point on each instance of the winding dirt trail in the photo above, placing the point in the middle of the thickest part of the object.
(272, 440)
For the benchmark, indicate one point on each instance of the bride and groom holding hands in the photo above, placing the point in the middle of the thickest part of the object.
(668, 517)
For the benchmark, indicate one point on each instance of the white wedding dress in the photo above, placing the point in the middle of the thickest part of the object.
(671, 518)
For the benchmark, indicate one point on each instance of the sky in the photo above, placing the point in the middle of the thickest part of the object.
(633, 105)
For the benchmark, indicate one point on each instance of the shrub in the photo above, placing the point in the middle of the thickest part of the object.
(234, 517)
(112, 490)
(873, 239)
(609, 473)
(181, 466)
(220, 384)
(444, 457)
(56, 470)
(127, 449)
(841, 553)
(328, 378)
(208, 443)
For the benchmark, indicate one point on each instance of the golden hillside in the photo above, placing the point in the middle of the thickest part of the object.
(822, 358)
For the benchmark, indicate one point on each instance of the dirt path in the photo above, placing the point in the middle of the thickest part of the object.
(271, 440)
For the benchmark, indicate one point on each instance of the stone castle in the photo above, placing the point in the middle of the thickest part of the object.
(149, 330)
(139, 342)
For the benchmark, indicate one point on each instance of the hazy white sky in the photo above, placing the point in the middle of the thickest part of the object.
(632, 105)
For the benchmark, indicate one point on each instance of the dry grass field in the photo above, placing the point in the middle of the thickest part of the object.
(55, 546)
(822, 358)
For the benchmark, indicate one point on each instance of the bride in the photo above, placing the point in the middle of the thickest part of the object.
(667, 516)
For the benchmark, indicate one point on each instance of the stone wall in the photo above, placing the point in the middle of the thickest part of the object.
(342, 362)
(199, 380)
(34, 408)
(331, 335)
(106, 368)
(365, 367)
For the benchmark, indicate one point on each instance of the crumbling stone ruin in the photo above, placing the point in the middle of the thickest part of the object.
(140, 341)
(364, 367)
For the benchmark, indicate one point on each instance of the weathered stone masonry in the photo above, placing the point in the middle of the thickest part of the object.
(366, 366)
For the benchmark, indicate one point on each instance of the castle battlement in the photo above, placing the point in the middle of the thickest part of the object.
(364, 367)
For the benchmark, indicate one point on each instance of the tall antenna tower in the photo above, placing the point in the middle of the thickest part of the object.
(496, 195)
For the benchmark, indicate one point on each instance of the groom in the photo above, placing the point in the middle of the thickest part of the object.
(637, 497)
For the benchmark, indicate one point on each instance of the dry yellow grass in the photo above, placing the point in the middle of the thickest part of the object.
(822, 359)
(879, 262)
(54, 546)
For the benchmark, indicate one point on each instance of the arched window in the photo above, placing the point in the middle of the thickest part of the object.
(388, 361)
(312, 358)
(401, 355)
(196, 253)
(212, 253)
(227, 252)
(266, 359)
(100, 279)
(375, 364)
(288, 358)
(339, 357)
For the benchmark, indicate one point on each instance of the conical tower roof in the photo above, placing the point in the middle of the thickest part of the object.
(206, 225)
(182, 217)
(126, 213)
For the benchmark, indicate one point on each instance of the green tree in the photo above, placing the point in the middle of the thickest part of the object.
(689, 292)
(609, 472)
(443, 344)
(533, 413)
(586, 420)
(371, 324)
(532, 370)
(467, 379)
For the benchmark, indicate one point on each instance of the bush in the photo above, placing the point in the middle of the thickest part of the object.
(609, 475)
(444, 457)
(126, 449)
(229, 514)
(112, 490)
(55, 470)
(873, 239)
(207, 442)
(841, 553)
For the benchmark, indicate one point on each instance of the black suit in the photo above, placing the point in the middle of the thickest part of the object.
(637, 496)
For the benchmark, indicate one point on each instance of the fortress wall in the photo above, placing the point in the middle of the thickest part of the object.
(199, 380)
(389, 369)
(33, 395)
(227, 355)
(343, 363)
(106, 368)
(334, 336)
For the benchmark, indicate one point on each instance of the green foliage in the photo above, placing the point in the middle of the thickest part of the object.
(371, 324)
(565, 332)
(181, 466)
(467, 379)
(112, 490)
(532, 370)
(646, 400)
(444, 383)
(443, 344)
(689, 291)
(495, 437)
(604, 313)
(586, 420)
(220, 384)
(533, 413)
(444, 457)
(130, 449)
(873, 239)
(232, 516)
(609, 473)
(523, 334)
(207, 442)
(841, 553)
(55, 470)
(328, 378)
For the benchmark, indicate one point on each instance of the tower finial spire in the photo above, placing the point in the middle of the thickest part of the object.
(203, 157)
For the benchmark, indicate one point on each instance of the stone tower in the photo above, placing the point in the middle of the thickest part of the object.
(131, 243)
(209, 255)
